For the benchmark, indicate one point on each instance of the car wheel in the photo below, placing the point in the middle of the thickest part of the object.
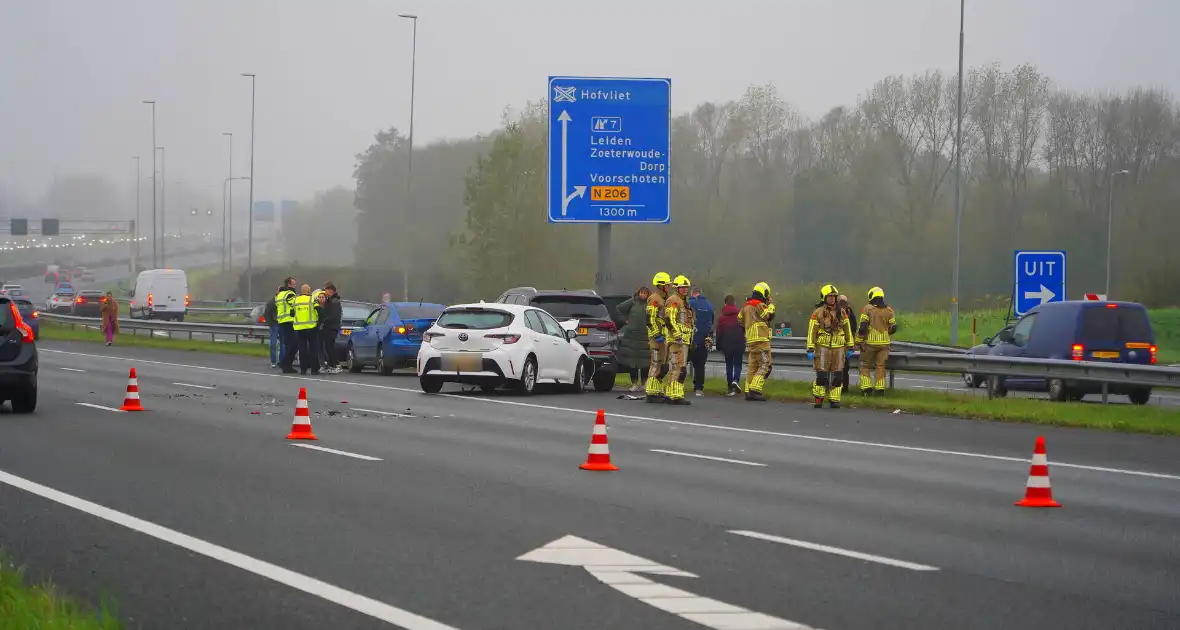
(383, 368)
(604, 381)
(431, 384)
(578, 385)
(1057, 390)
(528, 377)
(351, 362)
(25, 401)
(970, 381)
(1140, 396)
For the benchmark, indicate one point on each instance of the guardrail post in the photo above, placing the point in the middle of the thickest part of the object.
(1105, 392)
(891, 373)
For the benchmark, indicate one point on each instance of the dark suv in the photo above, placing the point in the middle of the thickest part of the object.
(18, 359)
(597, 331)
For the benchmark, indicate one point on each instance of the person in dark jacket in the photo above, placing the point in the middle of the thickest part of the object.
(331, 315)
(702, 338)
(633, 351)
(731, 340)
(269, 311)
(842, 302)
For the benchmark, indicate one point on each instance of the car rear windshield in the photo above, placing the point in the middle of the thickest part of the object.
(355, 312)
(474, 319)
(420, 311)
(24, 305)
(1116, 324)
(572, 306)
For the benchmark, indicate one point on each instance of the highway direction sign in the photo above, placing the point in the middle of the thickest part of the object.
(1039, 279)
(610, 144)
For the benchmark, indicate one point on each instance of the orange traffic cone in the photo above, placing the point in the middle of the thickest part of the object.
(131, 400)
(301, 428)
(599, 457)
(1038, 492)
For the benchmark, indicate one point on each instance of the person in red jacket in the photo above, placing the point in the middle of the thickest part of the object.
(731, 341)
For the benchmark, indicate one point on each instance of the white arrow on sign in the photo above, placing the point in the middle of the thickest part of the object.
(618, 570)
(1044, 295)
(578, 190)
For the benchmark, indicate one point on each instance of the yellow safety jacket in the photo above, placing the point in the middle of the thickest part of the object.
(681, 319)
(755, 317)
(877, 324)
(656, 326)
(826, 330)
(305, 313)
(283, 301)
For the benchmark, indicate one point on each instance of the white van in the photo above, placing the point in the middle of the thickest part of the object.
(160, 294)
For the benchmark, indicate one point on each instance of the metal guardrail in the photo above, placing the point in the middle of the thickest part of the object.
(801, 342)
(243, 310)
(224, 331)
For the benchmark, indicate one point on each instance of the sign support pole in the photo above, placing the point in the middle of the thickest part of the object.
(602, 279)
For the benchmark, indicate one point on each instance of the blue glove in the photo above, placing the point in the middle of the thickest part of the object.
(810, 355)
(849, 354)
(660, 339)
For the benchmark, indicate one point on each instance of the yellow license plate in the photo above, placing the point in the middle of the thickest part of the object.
(583, 331)
(1137, 345)
(346, 332)
(462, 362)
(610, 193)
(1106, 355)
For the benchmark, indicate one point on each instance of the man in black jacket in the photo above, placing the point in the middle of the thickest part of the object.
(331, 316)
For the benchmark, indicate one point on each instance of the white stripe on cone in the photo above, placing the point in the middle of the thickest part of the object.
(1039, 459)
(599, 449)
(599, 429)
(1037, 481)
(134, 395)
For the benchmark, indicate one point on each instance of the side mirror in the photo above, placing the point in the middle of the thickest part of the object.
(571, 335)
(988, 341)
(1005, 335)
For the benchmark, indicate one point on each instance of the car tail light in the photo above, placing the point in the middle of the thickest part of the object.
(504, 337)
(81, 300)
(186, 301)
(1112, 306)
(405, 329)
(149, 300)
(1154, 351)
(608, 326)
(431, 335)
(1079, 352)
(261, 319)
(37, 314)
(26, 333)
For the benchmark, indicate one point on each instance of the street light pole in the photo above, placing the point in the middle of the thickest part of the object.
(135, 232)
(155, 260)
(958, 186)
(410, 159)
(1110, 223)
(250, 227)
(227, 225)
(163, 208)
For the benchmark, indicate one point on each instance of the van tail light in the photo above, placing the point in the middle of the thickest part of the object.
(1154, 351)
(608, 326)
(26, 333)
(1079, 352)
(506, 338)
(149, 303)
(186, 301)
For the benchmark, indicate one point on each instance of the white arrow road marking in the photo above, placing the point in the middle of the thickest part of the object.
(578, 190)
(1044, 295)
(618, 570)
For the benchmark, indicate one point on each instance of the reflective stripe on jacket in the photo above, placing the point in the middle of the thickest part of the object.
(827, 329)
(656, 326)
(679, 319)
(283, 302)
(875, 324)
(305, 313)
(755, 317)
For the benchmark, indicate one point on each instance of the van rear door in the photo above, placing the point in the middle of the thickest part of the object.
(1116, 332)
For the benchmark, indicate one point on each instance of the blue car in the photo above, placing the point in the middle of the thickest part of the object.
(390, 336)
(30, 315)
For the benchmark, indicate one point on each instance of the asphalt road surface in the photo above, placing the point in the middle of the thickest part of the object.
(469, 511)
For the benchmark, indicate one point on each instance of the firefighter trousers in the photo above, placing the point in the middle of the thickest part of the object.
(872, 363)
(829, 373)
(757, 365)
(676, 371)
(657, 364)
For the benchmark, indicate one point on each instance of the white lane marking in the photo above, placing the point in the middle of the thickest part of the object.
(71, 369)
(94, 406)
(194, 385)
(617, 569)
(716, 459)
(868, 557)
(384, 413)
(360, 603)
(683, 423)
(336, 452)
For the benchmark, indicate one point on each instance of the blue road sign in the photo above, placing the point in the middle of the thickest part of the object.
(610, 145)
(1040, 279)
(264, 211)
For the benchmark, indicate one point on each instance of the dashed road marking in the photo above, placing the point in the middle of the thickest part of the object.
(868, 557)
(709, 457)
(336, 452)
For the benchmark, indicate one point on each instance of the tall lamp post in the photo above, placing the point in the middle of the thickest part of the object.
(227, 193)
(135, 231)
(1110, 222)
(163, 207)
(958, 186)
(250, 227)
(410, 160)
(155, 259)
(227, 224)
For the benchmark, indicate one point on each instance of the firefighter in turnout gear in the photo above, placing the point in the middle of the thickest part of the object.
(755, 317)
(829, 345)
(878, 324)
(681, 321)
(657, 337)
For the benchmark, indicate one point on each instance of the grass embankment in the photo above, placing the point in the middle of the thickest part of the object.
(52, 331)
(23, 607)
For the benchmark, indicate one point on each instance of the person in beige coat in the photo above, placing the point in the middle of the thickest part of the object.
(109, 312)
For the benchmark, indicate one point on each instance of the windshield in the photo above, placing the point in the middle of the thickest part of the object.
(24, 305)
(569, 306)
(418, 311)
(474, 318)
(355, 312)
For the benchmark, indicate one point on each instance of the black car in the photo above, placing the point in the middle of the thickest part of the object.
(352, 318)
(88, 303)
(18, 359)
(612, 301)
(597, 330)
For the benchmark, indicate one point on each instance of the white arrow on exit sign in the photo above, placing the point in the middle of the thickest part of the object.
(1044, 295)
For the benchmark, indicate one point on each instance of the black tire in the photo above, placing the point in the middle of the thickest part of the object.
(383, 368)
(351, 362)
(528, 377)
(430, 384)
(1058, 392)
(1140, 396)
(25, 401)
(973, 381)
(578, 384)
(604, 381)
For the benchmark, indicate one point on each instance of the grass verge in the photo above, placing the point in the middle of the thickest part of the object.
(23, 606)
(52, 331)
(1152, 419)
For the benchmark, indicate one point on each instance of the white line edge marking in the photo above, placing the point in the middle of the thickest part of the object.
(683, 423)
(868, 557)
(710, 457)
(71, 369)
(348, 599)
(336, 452)
(384, 413)
(103, 407)
(194, 385)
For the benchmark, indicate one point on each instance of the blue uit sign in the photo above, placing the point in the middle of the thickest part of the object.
(610, 145)
(1040, 279)
(264, 211)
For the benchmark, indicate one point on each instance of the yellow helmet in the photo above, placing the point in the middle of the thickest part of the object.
(682, 282)
(762, 289)
(661, 279)
(876, 292)
(828, 289)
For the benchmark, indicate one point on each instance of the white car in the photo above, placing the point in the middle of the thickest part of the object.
(60, 301)
(492, 345)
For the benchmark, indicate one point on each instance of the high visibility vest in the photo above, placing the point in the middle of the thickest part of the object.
(283, 314)
(305, 314)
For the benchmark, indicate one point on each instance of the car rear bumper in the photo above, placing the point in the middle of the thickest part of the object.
(21, 371)
(494, 368)
(604, 362)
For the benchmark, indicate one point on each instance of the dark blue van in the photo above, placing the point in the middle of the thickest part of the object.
(1116, 332)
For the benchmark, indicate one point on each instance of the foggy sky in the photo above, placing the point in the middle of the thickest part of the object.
(331, 72)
